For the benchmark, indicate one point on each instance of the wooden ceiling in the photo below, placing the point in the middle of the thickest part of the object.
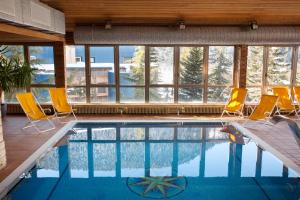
(200, 12)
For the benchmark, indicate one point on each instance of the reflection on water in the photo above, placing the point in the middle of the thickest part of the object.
(98, 160)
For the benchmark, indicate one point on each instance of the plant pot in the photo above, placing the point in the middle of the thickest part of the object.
(3, 109)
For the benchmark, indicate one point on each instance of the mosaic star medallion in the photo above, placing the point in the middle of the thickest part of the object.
(157, 187)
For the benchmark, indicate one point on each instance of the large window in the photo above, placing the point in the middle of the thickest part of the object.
(220, 73)
(132, 74)
(75, 73)
(267, 67)
(42, 58)
(191, 74)
(279, 66)
(102, 74)
(254, 73)
(161, 74)
(13, 50)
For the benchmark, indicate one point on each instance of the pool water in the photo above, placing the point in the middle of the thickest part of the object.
(135, 161)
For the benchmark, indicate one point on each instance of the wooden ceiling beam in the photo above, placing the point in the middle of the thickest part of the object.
(7, 28)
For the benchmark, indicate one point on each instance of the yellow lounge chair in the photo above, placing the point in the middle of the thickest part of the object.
(285, 103)
(34, 112)
(60, 103)
(236, 102)
(264, 109)
(296, 90)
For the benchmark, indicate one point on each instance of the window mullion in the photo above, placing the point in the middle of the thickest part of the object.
(205, 73)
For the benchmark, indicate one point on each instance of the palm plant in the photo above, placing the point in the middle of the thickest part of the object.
(14, 73)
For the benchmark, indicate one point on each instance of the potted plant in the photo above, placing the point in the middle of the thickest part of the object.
(14, 74)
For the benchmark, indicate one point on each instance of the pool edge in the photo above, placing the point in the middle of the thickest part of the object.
(13, 178)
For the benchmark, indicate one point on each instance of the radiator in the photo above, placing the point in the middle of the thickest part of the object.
(134, 109)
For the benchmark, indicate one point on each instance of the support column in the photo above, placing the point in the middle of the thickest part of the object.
(59, 64)
(243, 66)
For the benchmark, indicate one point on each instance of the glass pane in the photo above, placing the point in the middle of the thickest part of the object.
(298, 68)
(279, 66)
(132, 133)
(78, 159)
(132, 95)
(216, 159)
(189, 155)
(106, 133)
(41, 94)
(189, 133)
(255, 65)
(191, 65)
(104, 158)
(76, 94)
(161, 158)
(103, 95)
(161, 95)
(132, 65)
(11, 96)
(75, 62)
(253, 95)
(41, 58)
(220, 67)
(161, 133)
(132, 159)
(161, 65)
(102, 65)
(13, 51)
(218, 94)
(190, 94)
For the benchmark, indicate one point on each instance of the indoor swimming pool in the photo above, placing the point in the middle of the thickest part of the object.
(138, 160)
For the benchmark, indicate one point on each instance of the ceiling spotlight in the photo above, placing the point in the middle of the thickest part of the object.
(253, 25)
(108, 25)
(182, 25)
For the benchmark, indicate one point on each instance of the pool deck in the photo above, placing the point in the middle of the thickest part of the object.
(277, 139)
(21, 144)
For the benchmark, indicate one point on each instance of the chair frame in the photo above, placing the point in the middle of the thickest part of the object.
(62, 114)
(33, 123)
(279, 111)
(238, 112)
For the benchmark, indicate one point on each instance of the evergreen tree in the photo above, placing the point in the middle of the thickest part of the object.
(279, 66)
(192, 73)
(220, 72)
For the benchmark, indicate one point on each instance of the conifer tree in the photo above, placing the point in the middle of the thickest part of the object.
(191, 73)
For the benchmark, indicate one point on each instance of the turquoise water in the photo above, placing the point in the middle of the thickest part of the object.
(135, 161)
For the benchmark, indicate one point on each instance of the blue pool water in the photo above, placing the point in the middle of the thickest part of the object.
(136, 161)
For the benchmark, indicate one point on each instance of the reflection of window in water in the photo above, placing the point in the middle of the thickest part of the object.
(132, 159)
(104, 158)
(78, 159)
(48, 166)
(104, 133)
(161, 158)
(160, 133)
(132, 133)
(271, 166)
(189, 155)
(189, 133)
